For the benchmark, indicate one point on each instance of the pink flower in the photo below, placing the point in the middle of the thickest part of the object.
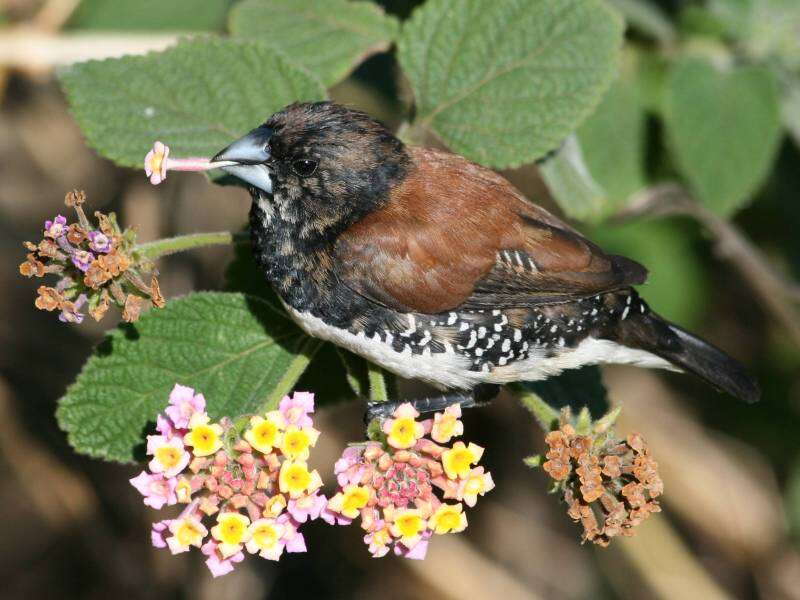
(215, 563)
(156, 489)
(307, 507)
(169, 455)
(349, 469)
(297, 408)
(55, 228)
(294, 540)
(99, 242)
(419, 550)
(155, 163)
(164, 427)
(157, 533)
(183, 403)
(334, 518)
(71, 311)
(82, 259)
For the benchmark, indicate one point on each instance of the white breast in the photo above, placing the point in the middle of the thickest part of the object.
(451, 370)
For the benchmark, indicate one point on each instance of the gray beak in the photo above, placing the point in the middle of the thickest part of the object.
(250, 153)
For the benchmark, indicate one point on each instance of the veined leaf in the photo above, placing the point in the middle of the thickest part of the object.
(328, 37)
(196, 97)
(503, 82)
(572, 185)
(151, 15)
(613, 143)
(725, 127)
(241, 352)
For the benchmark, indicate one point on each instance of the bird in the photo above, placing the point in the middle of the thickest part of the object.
(438, 269)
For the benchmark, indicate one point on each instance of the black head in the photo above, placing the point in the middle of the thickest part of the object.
(320, 164)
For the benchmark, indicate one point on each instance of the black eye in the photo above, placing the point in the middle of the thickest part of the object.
(304, 167)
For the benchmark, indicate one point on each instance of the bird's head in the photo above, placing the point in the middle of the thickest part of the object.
(319, 163)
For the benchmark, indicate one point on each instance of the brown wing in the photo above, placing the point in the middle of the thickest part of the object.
(457, 235)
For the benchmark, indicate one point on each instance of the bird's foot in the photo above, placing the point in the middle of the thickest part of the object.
(479, 396)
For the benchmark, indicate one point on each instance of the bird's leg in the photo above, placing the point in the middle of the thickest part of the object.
(479, 396)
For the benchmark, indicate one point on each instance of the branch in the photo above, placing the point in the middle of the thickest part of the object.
(29, 49)
(776, 292)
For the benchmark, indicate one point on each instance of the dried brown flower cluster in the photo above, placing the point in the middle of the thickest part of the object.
(610, 485)
(96, 267)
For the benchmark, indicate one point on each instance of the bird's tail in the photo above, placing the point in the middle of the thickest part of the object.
(692, 354)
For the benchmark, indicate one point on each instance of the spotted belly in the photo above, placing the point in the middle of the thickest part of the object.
(463, 348)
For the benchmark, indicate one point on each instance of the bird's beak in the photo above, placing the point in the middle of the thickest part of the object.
(250, 154)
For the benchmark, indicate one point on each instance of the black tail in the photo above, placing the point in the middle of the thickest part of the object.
(662, 338)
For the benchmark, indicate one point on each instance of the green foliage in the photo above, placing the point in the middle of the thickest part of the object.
(240, 351)
(150, 15)
(329, 37)
(504, 82)
(577, 388)
(724, 126)
(572, 185)
(196, 97)
(613, 143)
(676, 286)
(646, 17)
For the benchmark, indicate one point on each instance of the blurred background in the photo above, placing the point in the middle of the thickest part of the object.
(74, 527)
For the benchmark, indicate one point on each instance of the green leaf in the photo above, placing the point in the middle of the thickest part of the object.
(790, 108)
(504, 82)
(329, 37)
(571, 183)
(646, 17)
(677, 286)
(613, 143)
(576, 388)
(241, 352)
(196, 97)
(724, 127)
(151, 15)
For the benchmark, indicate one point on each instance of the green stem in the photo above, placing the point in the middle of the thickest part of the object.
(297, 367)
(378, 390)
(167, 246)
(545, 415)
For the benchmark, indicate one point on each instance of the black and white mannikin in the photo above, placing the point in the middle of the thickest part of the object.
(438, 269)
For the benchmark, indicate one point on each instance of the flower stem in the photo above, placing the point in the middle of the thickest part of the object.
(297, 367)
(167, 246)
(378, 390)
(545, 415)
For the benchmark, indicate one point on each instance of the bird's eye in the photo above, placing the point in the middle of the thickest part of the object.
(304, 167)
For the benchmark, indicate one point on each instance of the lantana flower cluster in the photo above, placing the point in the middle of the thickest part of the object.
(246, 487)
(610, 485)
(411, 486)
(95, 265)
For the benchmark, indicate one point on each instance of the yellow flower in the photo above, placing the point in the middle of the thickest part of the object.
(408, 525)
(295, 479)
(231, 531)
(403, 430)
(183, 490)
(204, 438)
(350, 500)
(458, 460)
(449, 518)
(476, 483)
(185, 532)
(296, 442)
(265, 434)
(275, 505)
(265, 539)
(447, 425)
